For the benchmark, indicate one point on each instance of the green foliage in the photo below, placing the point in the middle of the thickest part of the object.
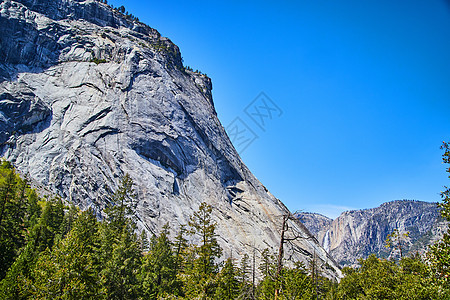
(50, 251)
(296, 284)
(69, 255)
(49, 226)
(412, 277)
(227, 282)
(18, 283)
(292, 283)
(397, 241)
(71, 269)
(200, 265)
(123, 206)
(159, 269)
(180, 248)
(120, 251)
(119, 272)
(161, 46)
(33, 209)
(384, 279)
(98, 60)
(439, 253)
(246, 288)
(188, 68)
(266, 288)
(13, 210)
(208, 250)
(372, 279)
(268, 263)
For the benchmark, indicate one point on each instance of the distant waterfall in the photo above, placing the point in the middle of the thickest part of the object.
(326, 241)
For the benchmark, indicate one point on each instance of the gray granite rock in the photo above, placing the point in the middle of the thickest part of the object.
(358, 233)
(316, 224)
(88, 95)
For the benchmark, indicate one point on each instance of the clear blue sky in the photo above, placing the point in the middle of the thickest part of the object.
(364, 87)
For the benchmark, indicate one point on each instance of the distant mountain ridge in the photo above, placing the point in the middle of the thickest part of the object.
(358, 233)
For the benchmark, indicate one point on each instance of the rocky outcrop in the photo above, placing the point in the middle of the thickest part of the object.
(88, 94)
(358, 233)
(21, 112)
(316, 223)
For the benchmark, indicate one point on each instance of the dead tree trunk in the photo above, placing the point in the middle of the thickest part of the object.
(284, 228)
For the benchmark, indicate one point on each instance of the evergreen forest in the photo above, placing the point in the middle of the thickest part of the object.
(50, 249)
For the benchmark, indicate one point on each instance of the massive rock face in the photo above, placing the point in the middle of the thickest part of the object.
(87, 95)
(358, 233)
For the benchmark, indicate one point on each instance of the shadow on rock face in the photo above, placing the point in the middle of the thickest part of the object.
(24, 46)
(21, 112)
(161, 152)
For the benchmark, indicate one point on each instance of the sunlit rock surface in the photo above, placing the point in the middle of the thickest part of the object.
(358, 233)
(87, 95)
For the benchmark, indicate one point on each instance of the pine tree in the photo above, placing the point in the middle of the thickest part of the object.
(209, 250)
(71, 269)
(34, 210)
(228, 284)
(18, 283)
(398, 241)
(180, 246)
(245, 268)
(201, 267)
(123, 204)
(267, 286)
(245, 287)
(13, 206)
(48, 228)
(144, 245)
(119, 274)
(120, 251)
(296, 283)
(68, 220)
(267, 266)
(158, 274)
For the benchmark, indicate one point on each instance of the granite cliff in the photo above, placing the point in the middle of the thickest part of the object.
(358, 233)
(88, 94)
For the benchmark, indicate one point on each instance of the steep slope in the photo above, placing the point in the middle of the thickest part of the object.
(87, 95)
(358, 233)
